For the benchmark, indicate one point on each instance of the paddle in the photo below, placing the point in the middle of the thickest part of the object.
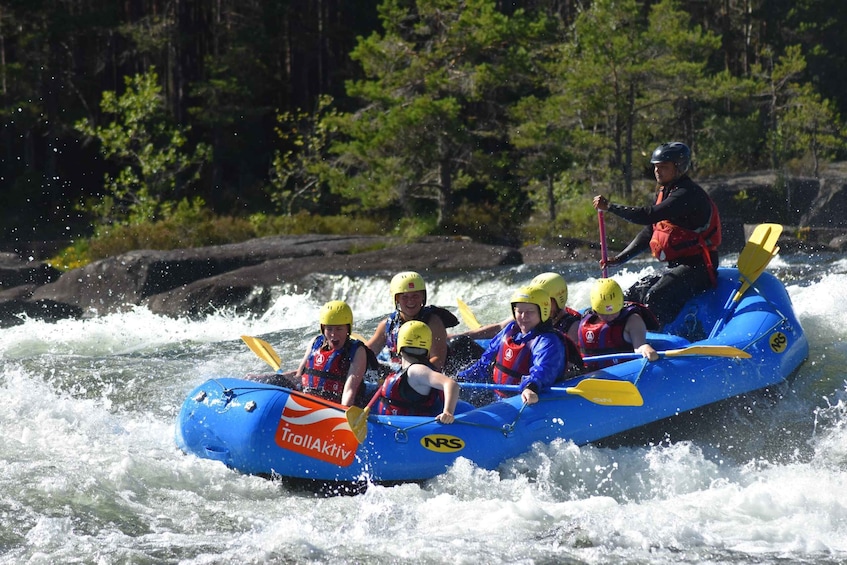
(599, 391)
(756, 255)
(604, 251)
(263, 350)
(468, 316)
(358, 418)
(702, 350)
(754, 258)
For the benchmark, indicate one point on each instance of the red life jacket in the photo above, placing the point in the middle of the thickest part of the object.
(514, 360)
(597, 337)
(399, 398)
(326, 369)
(671, 242)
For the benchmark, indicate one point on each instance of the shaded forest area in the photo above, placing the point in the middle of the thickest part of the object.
(474, 113)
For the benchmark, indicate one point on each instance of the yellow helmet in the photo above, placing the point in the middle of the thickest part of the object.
(407, 281)
(415, 334)
(555, 286)
(532, 295)
(336, 313)
(606, 297)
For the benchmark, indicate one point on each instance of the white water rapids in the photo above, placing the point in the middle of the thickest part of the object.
(90, 473)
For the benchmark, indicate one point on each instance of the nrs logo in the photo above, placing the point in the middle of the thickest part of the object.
(778, 342)
(442, 443)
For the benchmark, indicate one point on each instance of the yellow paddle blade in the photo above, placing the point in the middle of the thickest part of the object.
(607, 392)
(263, 350)
(708, 350)
(357, 418)
(467, 316)
(757, 253)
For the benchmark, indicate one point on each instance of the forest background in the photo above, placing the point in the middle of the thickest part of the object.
(177, 123)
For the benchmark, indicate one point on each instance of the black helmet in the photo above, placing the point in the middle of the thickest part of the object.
(677, 153)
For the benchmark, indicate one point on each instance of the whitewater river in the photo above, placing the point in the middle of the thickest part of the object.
(90, 473)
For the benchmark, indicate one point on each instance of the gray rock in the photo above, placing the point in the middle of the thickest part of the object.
(839, 243)
(196, 282)
(15, 271)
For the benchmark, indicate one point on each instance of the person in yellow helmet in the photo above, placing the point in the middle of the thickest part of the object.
(563, 318)
(408, 294)
(528, 351)
(464, 350)
(335, 363)
(417, 389)
(614, 326)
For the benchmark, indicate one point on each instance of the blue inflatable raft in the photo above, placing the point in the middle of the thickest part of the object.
(267, 430)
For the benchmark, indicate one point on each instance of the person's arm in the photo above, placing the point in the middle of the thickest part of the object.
(548, 364)
(485, 332)
(451, 398)
(682, 201)
(675, 205)
(438, 350)
(377, 340)
(480, 371)
(635, 332)
(355, 377)
(299, 372)
(640, 243)
(422, 379)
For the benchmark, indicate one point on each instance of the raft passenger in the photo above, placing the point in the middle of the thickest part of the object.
(614, 326)
(464, 349)
(335, 363)
(418, 389)
(408, 294)
(528, 352)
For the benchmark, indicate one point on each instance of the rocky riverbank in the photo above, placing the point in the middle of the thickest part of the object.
(242, 276)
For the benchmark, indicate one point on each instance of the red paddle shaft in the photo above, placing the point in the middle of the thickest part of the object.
(604, 252)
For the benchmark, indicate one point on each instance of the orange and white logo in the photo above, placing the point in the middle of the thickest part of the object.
(316, 430)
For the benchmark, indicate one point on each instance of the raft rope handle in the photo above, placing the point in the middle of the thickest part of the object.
(767, 333)
(400, 433)
(231, 391)
(509, 428)
(644, 362)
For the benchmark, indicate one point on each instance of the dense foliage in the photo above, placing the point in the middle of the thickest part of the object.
(477, 117)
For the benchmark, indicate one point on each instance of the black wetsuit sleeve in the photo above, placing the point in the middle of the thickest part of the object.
(639, 244)
(685, 204)
(680, 204)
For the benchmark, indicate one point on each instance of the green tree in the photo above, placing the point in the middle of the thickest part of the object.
(800, 122)
(543, 149)
(150, 151)
(624, 81)
(812, 127)
(296, 172)
(438, 84)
